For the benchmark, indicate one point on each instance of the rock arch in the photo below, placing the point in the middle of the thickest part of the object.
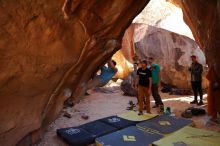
(43, 53)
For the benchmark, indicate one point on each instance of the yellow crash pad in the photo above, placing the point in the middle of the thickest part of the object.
(189, 136)
(133, 116)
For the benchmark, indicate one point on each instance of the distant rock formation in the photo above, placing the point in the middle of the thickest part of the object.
(170, 50)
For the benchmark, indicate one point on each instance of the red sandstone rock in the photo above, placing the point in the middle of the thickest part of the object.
(47, 47)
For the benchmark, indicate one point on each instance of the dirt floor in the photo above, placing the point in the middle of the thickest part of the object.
(110, 101)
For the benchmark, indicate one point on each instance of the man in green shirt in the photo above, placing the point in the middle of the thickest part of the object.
(155, 70)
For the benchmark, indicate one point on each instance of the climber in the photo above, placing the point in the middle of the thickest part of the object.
(196, 70)
(155, 70)
(107, 72)
(143, 83)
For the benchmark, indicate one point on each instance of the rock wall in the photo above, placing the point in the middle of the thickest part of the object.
(48, 48)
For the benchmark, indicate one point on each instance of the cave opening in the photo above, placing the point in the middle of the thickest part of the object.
(159, 31)
(49, 48)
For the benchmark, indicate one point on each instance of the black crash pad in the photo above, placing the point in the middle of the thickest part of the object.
(118, 122)
(98, 128)
(76, 136)
(164, 124)
(130, 136)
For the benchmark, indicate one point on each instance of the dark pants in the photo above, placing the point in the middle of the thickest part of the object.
(156, 95)
(197, 88)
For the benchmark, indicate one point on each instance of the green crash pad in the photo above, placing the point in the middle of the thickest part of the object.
(189, 136)
(133, 116)
(131, 136)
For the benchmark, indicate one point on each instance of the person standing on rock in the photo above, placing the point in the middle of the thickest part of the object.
(143, 83)
(155, 70)
(196, 70)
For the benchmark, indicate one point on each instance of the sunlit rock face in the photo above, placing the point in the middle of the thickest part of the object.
(124, 57)
(123, 65)
(163, 14)
(50, 47)
(171, 51)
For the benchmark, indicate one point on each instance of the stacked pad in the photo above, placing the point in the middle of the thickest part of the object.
(76, 136)
(189, 136)
(98, 128)
(118, 122)
(164, 124)
(131, 136)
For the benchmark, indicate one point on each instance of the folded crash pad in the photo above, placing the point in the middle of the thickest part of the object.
(76, 136)
(189, 136)
(164, 124)
(131, 136)
(98, 128)
(118, 122)
(133, 116)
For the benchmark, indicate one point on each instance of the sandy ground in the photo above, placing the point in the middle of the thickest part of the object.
(111, 102)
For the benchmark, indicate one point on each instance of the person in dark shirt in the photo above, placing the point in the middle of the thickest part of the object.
(143, 83)
(196, 70)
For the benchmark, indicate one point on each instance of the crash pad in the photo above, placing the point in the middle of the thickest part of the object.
(76, 136)
(189, 136)
(164, 124)
(133, 116)
(98, 128)
(118, 122)
(131, 136)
